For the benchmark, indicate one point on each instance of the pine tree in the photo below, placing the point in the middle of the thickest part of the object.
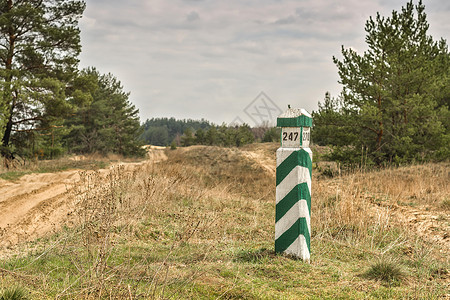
(200, 137)
(105, 121)
(212, 136)
(187, 139)
(244, 135)
(392, 99)
(158, 136)
(272, 135)
(39, 45)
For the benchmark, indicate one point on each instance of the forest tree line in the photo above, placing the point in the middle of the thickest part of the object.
(169, 131)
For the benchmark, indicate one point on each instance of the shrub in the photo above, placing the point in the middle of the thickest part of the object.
(386, 271)
(13, 293)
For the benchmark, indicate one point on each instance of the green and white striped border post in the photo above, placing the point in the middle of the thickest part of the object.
(293, 179)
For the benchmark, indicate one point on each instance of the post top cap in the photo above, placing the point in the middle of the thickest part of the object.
(294, 112)
(294, 117)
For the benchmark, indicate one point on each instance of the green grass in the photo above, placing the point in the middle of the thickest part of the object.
(13, 293)
(163, 266)
(389, 272)
(53, 167)
(13, 175)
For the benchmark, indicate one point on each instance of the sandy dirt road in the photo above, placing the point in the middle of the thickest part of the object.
(34, 205)
(39, 204)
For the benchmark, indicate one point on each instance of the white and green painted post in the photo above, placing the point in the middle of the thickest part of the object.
(293, 193)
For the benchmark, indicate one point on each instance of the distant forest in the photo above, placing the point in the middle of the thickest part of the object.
(162, 131)
(170, 131)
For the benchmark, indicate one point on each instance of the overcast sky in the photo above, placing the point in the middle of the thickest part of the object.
(211, 59)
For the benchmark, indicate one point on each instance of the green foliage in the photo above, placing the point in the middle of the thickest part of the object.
(395, 98)
(227, 136)
(200, 136)
(386, 271)
(272, 135)
(212, 136)
(161, 131)
(13, 293)
(105, 120)
(244, 135)
(39, 45)
(45, 107)
(187, 139)
(330, 124)
(158, 136)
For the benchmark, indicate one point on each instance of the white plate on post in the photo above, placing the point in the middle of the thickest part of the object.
(295, 137)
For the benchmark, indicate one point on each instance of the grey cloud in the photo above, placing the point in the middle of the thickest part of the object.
(287, 20)
(192, 16)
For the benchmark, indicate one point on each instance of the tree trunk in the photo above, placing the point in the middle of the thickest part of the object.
(7, 134)
(380, 126)
(7, 93)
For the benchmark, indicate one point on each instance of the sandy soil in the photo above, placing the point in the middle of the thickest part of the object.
(39, 204)
(430, 225)
(34, 205)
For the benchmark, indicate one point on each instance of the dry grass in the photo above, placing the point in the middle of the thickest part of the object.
(200, 225)
(365, 205)
(421, 184)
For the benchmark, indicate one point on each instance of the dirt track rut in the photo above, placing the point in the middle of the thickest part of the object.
(39, 204)
(34, 205)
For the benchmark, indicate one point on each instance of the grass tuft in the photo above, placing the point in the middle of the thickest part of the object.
(257, 256)
(446, 204)
(387, 271)
(13, 175)
(51, 166)
(13, 293)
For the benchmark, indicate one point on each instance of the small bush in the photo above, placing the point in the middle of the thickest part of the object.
(13, 293)
(254, 256)
(386, 271)
(446, 204)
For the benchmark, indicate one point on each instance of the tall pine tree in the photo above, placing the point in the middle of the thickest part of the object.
(105, 120)
(39, 45)
(394, 93)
